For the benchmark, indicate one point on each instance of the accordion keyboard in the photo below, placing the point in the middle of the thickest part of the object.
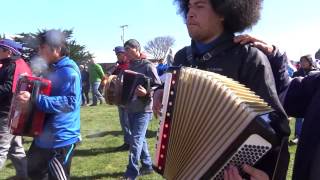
(249, 153)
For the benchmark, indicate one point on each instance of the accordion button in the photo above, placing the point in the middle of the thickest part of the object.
(166, 125)
(168, 114)
(170, 103)
(163, 147)
(160, 168)
(172, 93)
(173, 82)
(161, 156)
(164, 136)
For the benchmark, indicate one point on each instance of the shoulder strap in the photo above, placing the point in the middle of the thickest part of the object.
(207, 57)
(189, 54)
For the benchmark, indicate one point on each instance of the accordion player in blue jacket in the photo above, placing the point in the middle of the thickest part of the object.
(51, 152)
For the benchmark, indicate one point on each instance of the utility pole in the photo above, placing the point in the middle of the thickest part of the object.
(123, 28)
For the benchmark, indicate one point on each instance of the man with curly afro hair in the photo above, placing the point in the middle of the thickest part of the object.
(211, 25)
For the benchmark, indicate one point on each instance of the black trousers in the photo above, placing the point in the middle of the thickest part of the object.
(85, 95)
(49, 164)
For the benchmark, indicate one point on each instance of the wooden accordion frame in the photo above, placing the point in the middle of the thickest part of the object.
(30, 121)
(209, 122)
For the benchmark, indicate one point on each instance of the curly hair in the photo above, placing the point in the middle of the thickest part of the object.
(239, 15)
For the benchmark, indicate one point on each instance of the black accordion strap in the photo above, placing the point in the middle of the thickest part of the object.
(148, 85)
(201, 62)
(279, 170)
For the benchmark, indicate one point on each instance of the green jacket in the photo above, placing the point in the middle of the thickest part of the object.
(96, 73)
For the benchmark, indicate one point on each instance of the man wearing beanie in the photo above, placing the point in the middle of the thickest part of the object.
(139, 112)
(122, 64)
(12, 67)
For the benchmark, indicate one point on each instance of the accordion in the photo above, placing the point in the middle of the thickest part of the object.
(209, 122)
(28, 122)
(120, 89)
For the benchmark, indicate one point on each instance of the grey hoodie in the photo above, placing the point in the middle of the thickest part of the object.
(145, 67)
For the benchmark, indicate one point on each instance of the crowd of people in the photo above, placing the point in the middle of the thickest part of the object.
(214, 47)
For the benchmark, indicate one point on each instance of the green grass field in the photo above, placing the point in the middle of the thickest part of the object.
(95, 157)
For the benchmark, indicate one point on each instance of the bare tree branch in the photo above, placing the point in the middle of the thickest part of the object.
(317, 55)
(159, 46)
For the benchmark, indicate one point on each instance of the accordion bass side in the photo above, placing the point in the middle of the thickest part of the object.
(28, 122)
(209, 122)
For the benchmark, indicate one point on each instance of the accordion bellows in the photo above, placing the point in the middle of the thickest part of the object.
(204, 114)
(28, 122)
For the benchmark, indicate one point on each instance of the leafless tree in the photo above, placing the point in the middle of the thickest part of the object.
(159, 46)
(2, 36)
(317, 55)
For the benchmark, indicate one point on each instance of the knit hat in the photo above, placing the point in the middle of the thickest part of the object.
(12, 46)
(119, 49)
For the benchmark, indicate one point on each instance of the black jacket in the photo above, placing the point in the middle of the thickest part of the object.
(6, 80)
(302, 73)
(301, 98)
(250, 67)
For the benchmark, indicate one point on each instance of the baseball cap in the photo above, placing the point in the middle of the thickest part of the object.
(11, 45)
(132, 43)
(119, 49)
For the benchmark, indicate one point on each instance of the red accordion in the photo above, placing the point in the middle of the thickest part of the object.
(28, 122)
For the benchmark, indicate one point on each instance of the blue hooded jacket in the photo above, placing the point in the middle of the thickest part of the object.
(62, 107)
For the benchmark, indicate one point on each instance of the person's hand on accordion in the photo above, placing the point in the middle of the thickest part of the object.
(23, 99)
(232, 173)
(141, 91)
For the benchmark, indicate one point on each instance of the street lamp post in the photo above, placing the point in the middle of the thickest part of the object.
(122, 36)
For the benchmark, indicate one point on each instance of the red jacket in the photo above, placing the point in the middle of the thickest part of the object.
(120, 67)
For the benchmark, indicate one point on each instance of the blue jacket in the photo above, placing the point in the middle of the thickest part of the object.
(162, 68)
(62, 107)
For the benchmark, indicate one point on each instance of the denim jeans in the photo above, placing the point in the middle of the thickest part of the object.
(96, 95)
(138, 123)
(85, 94)
(298, 127)
(124, 122)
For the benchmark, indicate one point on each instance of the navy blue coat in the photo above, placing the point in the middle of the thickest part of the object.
(301, 98)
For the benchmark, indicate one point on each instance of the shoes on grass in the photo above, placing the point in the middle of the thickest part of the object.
(294, 141)
(145, 171)
(101, 100)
